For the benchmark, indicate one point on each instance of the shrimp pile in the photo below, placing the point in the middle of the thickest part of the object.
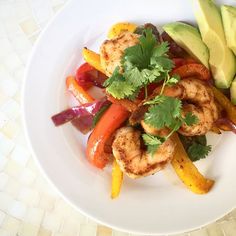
(127, 147)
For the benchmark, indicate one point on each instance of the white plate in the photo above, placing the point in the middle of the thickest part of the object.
(158, 204)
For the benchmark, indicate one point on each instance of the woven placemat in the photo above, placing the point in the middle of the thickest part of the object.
(29, 206)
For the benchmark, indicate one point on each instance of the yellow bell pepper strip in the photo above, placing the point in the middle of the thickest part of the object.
(187, 171)
(117, 179)
(119, 28)
(93, 59)
(79, 93)
(226, 104)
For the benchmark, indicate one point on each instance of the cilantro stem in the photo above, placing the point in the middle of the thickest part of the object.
(164, 83)
(146, 92)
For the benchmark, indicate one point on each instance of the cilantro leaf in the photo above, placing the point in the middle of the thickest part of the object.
(134, 77)
(152, 142)
(161, 49)
(196, 146)
(173, 80)
(116, 76)
(165, 113)
(156, 100)
(162, 63)
(142, 64)
(147, 42)
(120, 89)
(150, 76)
(139, 55)
(190, 119)
(198, 151)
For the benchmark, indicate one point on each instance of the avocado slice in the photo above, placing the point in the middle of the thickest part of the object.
(229, 21)
(188, 38)
(222, 59)
(233, 91)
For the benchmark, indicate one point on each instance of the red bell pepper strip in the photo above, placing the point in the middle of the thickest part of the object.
(79, 93)
(105, 128)
(178, 61)
(193, 69)
(83, 73)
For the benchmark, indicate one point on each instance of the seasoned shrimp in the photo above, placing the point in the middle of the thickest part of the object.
(199, 100)
(135, 161)
(112, 50)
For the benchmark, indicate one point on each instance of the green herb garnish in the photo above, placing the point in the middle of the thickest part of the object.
(196, 147)
(142, 64)
(167, 112)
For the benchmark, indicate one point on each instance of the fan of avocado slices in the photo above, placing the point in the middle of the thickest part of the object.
(213, 43)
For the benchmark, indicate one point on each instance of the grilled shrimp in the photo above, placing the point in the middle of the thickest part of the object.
(135, 161)
(199, 100)
(112, 50)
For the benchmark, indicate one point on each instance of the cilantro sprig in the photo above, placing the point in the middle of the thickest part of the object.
(196, 147)
(152, 142)
(141, 64)
(166, 112)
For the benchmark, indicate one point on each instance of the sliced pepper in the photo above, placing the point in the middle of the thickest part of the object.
(118, 28)
(117, 179)
(193, 69)
(82, 74)
(178, 61)
(79, 93)
(93, 59)
(225, 103)
(111, 120)
(187, 171)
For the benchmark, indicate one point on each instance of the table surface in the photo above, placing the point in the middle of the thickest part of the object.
(29, 206)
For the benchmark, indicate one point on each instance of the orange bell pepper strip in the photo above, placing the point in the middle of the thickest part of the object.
(187, 171)
(93, 59)
(79, 93)
(193, 69)
(117, 179)
(111, 120)
(225, 103)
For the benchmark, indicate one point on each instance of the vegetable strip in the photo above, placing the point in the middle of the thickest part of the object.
(117, 179)
(187, 171)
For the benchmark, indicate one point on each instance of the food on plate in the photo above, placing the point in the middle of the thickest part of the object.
(222, 59)
(121, 27)
(117, 178)
(112, 50)
(159, 99)
(188, 37)
(136, 161)
(233, 91)
(188, 172)
(229, 21)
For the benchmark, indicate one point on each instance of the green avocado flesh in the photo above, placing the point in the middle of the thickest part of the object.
(229, 21)
(189, 38)
(222, 59)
